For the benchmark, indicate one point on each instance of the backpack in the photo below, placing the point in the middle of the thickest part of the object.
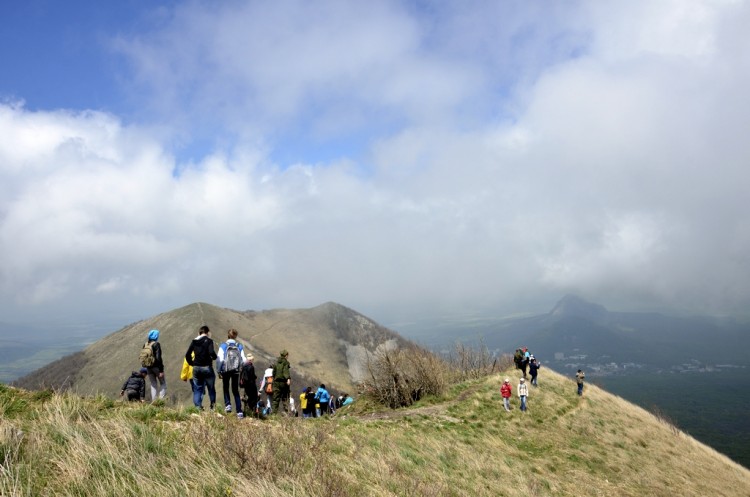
(518, 357)
(269, 385)
(146, 356)
(232, 358)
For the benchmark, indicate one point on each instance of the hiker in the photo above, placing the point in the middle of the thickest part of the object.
(151, 359)
(533, 369)
(580, 375)
(308, 408)
(134, 388)
(248, 383)
(518, 358)
(266, 387)
(323, 398)
(282, 382)
(523, 393)
(346, 400)
(201, 355)
(229, 362)
(524, 360)
(505, 391)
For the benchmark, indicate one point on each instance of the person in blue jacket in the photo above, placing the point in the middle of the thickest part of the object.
(323, 398)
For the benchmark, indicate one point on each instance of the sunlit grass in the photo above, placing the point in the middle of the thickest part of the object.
(462, 443)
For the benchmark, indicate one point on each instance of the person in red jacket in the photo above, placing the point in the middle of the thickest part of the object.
(505, 391)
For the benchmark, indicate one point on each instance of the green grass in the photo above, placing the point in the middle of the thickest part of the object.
(459, 444)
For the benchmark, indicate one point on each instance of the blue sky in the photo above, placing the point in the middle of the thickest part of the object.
(401, 158)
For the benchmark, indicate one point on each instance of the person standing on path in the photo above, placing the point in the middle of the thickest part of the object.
(282, 383)
(156, 370)
(229, 362)
(248, 382)
(505, 391)
(523, 393)
(201, 355)
(533, 369)
(580, 375)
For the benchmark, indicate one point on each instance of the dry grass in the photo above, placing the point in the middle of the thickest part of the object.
(459, 444)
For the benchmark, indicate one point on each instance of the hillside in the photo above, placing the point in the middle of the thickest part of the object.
(462, 444)
(328, 343)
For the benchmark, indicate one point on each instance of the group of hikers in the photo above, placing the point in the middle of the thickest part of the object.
(524, 360)
(236, 369)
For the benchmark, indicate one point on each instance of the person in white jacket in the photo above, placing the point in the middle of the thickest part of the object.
(266, 387)
(523, 393)
(229, 361)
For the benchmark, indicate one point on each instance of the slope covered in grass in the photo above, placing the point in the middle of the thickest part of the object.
(462, 444)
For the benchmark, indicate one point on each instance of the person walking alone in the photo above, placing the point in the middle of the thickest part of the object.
(580, 375)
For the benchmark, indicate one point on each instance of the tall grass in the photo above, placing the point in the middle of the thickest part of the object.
(461, 443)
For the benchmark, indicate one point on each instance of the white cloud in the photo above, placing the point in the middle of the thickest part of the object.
(533, 155)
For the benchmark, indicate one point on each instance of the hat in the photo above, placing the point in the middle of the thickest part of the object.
(506, 380)
(143, 371)
(153, 335)
(284, 353)
(523, 379)
(531, 356)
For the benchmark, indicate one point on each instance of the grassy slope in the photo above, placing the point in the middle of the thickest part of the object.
(463, 444)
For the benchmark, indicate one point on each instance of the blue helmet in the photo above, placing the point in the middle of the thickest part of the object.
(153, 335)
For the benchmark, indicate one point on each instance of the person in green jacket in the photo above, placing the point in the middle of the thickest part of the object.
(282, 383)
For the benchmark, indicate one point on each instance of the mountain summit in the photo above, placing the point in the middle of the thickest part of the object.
(573, 306)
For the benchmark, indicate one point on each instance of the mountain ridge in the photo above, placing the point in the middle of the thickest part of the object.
(328, 343)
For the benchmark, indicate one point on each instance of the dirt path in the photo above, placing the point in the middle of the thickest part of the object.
(438, 411)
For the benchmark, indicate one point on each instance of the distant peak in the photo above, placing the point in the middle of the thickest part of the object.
(572, 305)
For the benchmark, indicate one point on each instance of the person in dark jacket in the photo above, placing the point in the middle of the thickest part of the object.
(282, 383)
(202, 363)
(156, 371)
(533, 369)
(248, 382)
(134, 388)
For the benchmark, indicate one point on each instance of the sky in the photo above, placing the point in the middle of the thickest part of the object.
(402, 158)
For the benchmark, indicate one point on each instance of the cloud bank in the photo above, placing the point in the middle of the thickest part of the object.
(398, 159)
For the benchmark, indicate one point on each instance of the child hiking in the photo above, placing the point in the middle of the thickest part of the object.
(505, 391)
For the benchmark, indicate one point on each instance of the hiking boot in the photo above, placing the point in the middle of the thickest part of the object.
(228, 408)
(240, 415)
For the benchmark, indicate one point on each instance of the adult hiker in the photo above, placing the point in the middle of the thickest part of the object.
(248, 382)
(524, 361)
(523, 393)
(134, 388)
(229, 363)
(580, 375)
(307, 402)
(282, 382)
(533, 369)
(324, 399)
(151, 359)
(506, 391)
(201, 355)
